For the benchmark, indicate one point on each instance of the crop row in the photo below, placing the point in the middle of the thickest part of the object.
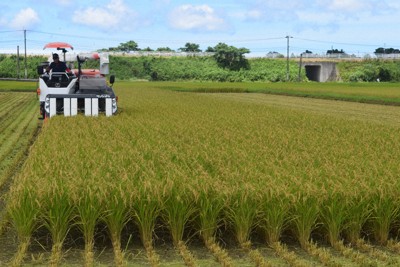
(18, 125)
(195, 162)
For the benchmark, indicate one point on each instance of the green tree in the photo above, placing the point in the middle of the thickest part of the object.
(164, 49)
(230, 57)
(128, 46)
(190, 47)
(335, 51)
(210, 49)
(147, 49)
(382, 50)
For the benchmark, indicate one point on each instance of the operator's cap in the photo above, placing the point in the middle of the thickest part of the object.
(55, 56)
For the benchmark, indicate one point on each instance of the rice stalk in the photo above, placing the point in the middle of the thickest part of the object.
(210, 205)
(19, 256)
(376, 253)
(5, 220)
(57, 218)
(274, 215)
(321, 254)
(333, 215)
(187, 256)
(151, 254)
(358, 212)
(304, 215)
(242, 211)
(23, 208)
(116, 216)
(289, 256)
(354, 256)
(255, 255)
(219, 253)
(393, 245)
(89, 210)
(179, 208)
(385, 209)
(146, 209)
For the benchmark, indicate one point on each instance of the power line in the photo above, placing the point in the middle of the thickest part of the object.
(155, 40)
(10, 41)
(337, 43)
(202, 41)
(71, 35)
(261, 44)
(11, 31)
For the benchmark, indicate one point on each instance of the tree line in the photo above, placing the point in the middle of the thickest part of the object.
(227, 56)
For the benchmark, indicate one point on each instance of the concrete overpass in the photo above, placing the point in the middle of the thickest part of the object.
(321, 71)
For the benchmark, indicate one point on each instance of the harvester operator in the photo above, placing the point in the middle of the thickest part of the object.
(57, 65)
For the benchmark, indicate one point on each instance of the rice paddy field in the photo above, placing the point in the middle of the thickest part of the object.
(18, 127)
(185, 176)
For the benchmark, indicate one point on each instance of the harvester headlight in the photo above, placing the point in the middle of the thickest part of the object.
(114, 105)
(47, 105)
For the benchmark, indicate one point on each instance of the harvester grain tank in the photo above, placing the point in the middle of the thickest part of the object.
(79, 90)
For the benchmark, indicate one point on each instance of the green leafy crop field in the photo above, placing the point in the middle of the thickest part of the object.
(231, 179)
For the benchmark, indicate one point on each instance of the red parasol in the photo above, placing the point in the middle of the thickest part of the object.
(58, 45)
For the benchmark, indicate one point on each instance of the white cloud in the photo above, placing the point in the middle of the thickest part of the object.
(271, 10)
(254, 14)
(65, 2)
(319, 18)
(24, 19)
(348, 5)
(198, 18)
(114, 16)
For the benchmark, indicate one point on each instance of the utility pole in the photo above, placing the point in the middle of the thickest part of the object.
(287, 58)
(26, 68)
(18, 68)
(300, 65)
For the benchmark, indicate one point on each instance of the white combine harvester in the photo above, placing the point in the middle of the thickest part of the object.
(79, 91)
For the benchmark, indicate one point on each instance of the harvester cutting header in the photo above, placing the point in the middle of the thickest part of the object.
(69, 91)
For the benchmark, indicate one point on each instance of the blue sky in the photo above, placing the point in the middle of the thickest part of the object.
(356, 26)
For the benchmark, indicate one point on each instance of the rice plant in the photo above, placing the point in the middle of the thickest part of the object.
(89, 208)
(210, 204)
(146, 208)
(242, 211)
(304, 215)
(358, 212)
(57, 216)
(23, 209)
(334, 214)
(116, 216)
(179, 210)
(194, 161)
(385, 210)
(274, 215)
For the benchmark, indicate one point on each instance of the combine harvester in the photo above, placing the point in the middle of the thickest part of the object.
(78, 91)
